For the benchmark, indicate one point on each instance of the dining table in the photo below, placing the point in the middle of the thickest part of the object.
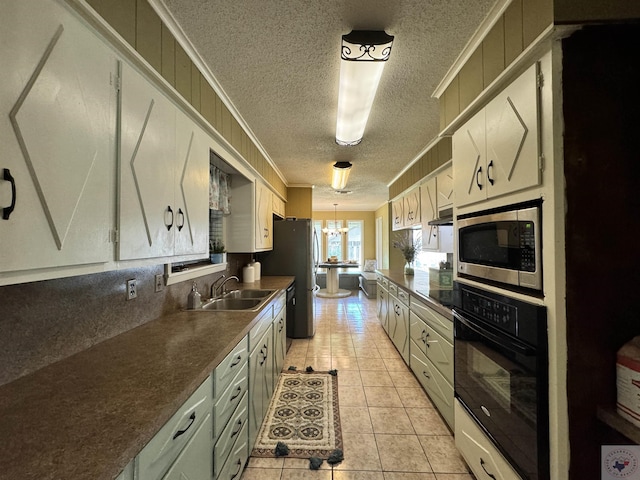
(333, 289)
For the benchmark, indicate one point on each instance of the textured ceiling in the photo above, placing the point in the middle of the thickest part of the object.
(278, 62)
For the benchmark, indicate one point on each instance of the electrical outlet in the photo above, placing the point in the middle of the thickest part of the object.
(159, 282)
(132, 291)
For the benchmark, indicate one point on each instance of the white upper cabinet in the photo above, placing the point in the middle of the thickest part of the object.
(264, 217)
(497, 151)
(397, 217)
(411, 207)
(192, 183)
(428, 196)
(164, 175)
(444, 185)
(57, 131)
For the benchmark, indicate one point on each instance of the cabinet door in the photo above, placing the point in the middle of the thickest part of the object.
(147, 157)
(512, 137)
(430, 237)
(383, 307)
(196, 460)
(411, 207)
(57, 131)
(191, 197)
(397, 218)
(260, 383)
(280, 343)
(264, 219)
(469, 161)
(444, 184)
(399, 316)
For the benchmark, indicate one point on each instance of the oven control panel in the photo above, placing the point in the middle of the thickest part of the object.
(495, 312)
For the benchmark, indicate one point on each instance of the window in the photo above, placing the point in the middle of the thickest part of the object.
(426, 259)
(354, 240)
(334, 242)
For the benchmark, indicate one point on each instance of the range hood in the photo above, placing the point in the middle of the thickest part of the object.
(445, 217)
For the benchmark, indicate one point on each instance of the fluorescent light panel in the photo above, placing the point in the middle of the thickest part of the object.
(364, 54)
(340, 175)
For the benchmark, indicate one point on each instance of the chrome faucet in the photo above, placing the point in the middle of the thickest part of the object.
(224, 282)
(213, 285)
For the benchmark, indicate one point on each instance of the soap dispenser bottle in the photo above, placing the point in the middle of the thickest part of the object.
(194, 300)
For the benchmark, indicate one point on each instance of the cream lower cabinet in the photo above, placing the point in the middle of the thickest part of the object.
(481, 455)
(260, 374)
(497, 152)
(279, 338)
(158, 456)
(399, 320)
(195, 459)
(163, 175)
(382, 302)
(58, 104)
(432, 356)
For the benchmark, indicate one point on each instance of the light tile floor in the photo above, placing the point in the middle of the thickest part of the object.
(390, 428)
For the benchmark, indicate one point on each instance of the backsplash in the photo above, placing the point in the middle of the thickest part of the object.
(44, 322)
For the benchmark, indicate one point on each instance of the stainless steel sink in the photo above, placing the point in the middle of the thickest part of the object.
(248, 293)
(232, 304)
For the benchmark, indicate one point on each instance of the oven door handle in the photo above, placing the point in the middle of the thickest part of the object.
(499, 339)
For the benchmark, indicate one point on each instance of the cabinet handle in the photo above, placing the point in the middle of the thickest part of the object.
(239, 390)
(237, 471)
(236, 361)
(235, 432)
(263, 351)
(485, 470)
(477, 177)
(192, 419)
(425, 374)
(169, 225)
(181, 218)
(6, 211)
(489, 167)
(396, 309)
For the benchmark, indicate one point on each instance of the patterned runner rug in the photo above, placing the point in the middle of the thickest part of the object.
(304, 415)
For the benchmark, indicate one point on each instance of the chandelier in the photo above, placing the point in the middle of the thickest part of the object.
(335, 230)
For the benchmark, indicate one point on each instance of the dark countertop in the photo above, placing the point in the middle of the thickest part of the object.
(89, 415)
(418, 284)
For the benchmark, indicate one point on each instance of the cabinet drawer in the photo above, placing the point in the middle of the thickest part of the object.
(230, 366)
(260, 328)
(439, 390)
(226, 403)
(433, 345)
(280, 303)
(393, 289)
(443, 325)
(195, 459)
(403, 296)
(229, 436)
(154, 459)
(481, 455)
(232, 469)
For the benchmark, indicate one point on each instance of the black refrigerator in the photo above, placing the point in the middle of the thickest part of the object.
(295, 252)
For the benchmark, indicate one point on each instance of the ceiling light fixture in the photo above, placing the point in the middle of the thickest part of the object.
(364, 53)
(335, 230)
(340, 175)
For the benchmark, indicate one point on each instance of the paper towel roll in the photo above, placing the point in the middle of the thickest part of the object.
(248, 274)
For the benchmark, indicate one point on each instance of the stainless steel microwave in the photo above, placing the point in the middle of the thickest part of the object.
(502, 245)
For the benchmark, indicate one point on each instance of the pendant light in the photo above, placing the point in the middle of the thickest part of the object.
(335, 230)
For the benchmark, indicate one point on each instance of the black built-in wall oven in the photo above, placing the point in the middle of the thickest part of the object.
(501, 376)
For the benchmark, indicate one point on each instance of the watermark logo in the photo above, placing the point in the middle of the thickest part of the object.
(620, 461)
